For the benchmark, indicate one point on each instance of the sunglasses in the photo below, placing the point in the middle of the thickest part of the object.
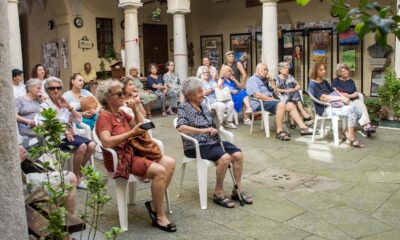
(120, 94)
(54, 88)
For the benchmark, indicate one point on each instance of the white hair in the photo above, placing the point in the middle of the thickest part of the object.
(104, 89)
(191, 85)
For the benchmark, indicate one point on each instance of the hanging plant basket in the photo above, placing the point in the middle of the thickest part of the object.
(156, 15)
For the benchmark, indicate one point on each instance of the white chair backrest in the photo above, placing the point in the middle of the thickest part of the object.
(96, 139)
(315, 100)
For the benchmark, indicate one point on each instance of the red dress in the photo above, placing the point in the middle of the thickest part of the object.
(127, 162)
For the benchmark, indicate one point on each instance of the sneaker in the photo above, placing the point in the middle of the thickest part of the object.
(249, 110)
(82, 185)
(230, 125)
(247, 121)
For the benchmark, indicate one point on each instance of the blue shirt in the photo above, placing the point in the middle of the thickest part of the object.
(151, 81)
(347, 86)
(256, 85)
(317, 90)
(210, 84)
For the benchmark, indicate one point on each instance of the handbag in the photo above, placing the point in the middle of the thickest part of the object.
(223, 94)
(336, 103)
(145, 147)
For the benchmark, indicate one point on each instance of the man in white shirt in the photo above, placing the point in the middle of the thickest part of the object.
(18, 83)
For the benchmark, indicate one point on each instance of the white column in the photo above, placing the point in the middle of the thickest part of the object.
(179, 8)
(132, 51)
(397, 49)
(270, 35)
(15, 35)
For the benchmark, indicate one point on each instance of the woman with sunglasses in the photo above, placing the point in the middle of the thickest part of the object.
(114, 128)
(78, 93)
(83, 148)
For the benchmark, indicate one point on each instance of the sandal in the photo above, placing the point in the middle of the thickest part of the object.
(246, 199)
(170, 112)
(152, 213)
(153, 216)
(369, 130)
(307, 119)
(353, 143)
(164, 114)
(149, 115)
(292, 126)
(306, 131)
(223, 201)
(283, 136)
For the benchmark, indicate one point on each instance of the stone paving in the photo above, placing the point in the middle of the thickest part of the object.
(302, 190)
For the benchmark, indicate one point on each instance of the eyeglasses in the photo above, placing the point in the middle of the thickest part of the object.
(54, 88)
(120, 94)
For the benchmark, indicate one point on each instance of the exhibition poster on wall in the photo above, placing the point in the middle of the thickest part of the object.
(320, 49)
(212, 47)
(241, 44)
(50, 57)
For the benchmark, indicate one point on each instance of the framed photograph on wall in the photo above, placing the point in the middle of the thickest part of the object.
(241, 44)
(212, 47)
(377, 80)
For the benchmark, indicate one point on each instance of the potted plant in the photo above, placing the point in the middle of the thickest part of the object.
(389, 93)
(156, 15)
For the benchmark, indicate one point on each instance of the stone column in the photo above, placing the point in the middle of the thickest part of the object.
(397, 49)
(12, 207)
(270, 35)
(178, 8)
(15, 35)
(132, 51)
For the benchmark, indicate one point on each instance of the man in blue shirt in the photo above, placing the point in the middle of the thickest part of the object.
(257, 87)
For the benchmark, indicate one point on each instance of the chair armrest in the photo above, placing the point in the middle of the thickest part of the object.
(228, 135)
(114, 155)
(196, 143)
(318, 101)
(87, 132)
(361, 97)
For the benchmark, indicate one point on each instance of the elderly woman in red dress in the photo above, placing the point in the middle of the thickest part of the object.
(114, 128)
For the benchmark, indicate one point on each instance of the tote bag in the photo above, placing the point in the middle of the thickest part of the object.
(223, 94)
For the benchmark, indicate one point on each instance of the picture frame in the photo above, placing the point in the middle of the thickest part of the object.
(211, 46)
(241, 45)
(377, 80)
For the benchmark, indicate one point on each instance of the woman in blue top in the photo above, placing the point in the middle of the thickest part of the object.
(74, 97)
(347, 88)
(322, 90)
(239, 96)
(157, 85)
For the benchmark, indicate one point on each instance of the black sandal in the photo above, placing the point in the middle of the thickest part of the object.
(307, 119)
(152, 213)
(246, 199)
(171, 227)
(306, 131)
(223, 201)
(292, 126)
(283, 136)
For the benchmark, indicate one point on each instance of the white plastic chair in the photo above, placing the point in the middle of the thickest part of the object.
(334, 120)
(86, 132)
(201, 164)
(121, 185)
(235, 114)
(264, 118)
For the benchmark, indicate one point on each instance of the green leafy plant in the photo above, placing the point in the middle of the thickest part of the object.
(374, 109)
(367, 17)
(156, 15)
(389, 93)
(109, 55)
(50, 133)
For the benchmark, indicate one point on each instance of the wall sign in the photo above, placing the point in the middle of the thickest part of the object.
(84, 43)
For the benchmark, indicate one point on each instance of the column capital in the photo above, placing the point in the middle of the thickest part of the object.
(269, 1)
(178, 6)
(130, 4)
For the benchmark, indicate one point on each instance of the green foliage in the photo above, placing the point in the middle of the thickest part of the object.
(389, 93)
(374, 107)
(156, 15)
(113, 233)
(49, 133)
(367, 18)
(108, 55)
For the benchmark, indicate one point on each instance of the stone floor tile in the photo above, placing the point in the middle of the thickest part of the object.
(383, 177)
(314, 237)
(314, 201)
(261, 228)
(353, 222)
(384, 236)
(313, 224)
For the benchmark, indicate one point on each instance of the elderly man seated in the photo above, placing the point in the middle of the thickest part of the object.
(258, 87)
(194, 119)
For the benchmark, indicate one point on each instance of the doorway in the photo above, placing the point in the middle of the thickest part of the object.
(155, 46)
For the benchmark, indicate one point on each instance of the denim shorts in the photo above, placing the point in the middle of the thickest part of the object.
(270, 106)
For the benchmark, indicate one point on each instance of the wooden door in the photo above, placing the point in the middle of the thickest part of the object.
(155, 45)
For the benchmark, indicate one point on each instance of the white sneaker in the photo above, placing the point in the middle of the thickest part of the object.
(82, 185)
(230, 125)
(249, 110)
(247, 121)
